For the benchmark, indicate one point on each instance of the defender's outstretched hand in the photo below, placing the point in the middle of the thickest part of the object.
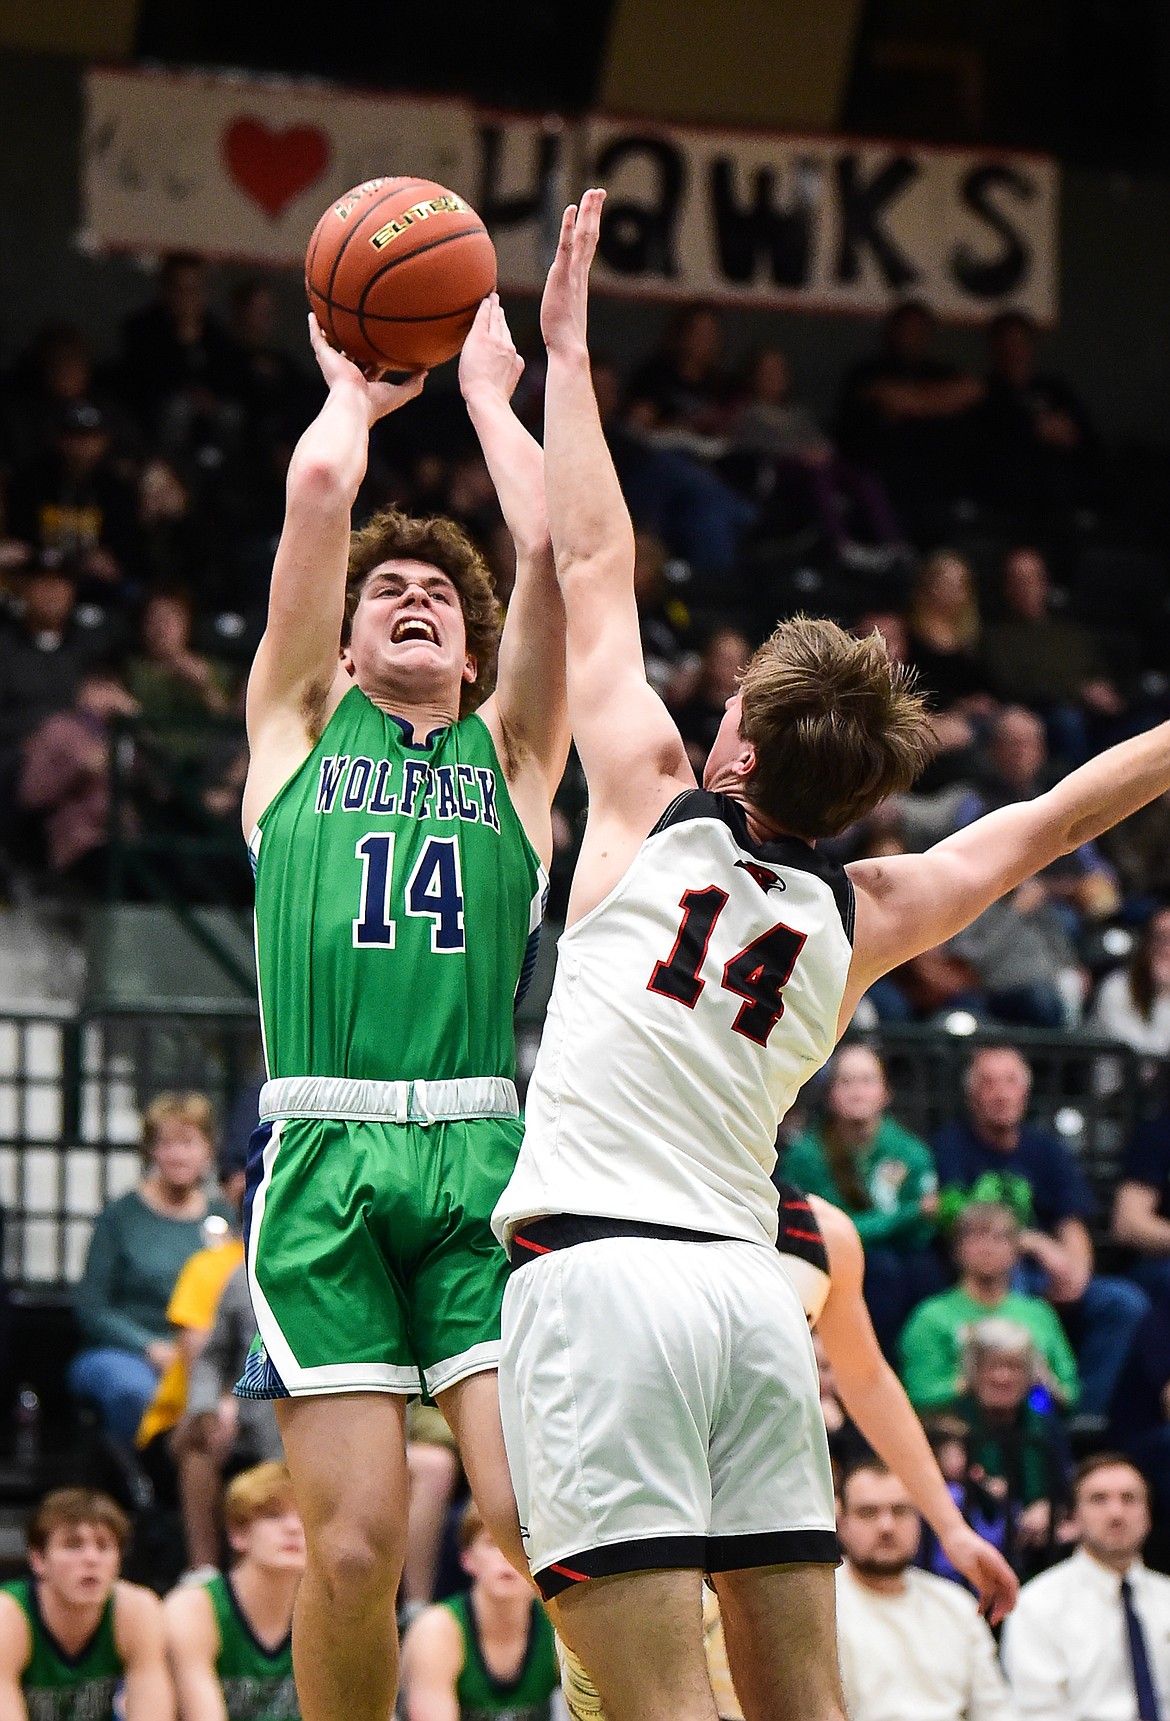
(381, 397)
(566, 292)
(489, 362)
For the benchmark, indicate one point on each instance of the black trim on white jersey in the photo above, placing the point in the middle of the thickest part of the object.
(552, 1231)
(791, 852)
(798, 1232)
(704, 1553)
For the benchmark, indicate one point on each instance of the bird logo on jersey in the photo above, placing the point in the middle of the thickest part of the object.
(763, 875)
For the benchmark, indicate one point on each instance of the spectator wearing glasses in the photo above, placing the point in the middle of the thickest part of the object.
(1015, 1440)
(995, 1154)
(987, 1254)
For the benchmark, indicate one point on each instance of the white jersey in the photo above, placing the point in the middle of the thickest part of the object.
(689, 1008)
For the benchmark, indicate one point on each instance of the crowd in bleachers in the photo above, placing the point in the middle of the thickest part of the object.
(974, 517)
(1031, 1332)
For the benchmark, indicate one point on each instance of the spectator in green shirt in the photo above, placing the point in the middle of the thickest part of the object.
(987, 1250)
(1018, 1449)
(140, 1241)
(864, 1162)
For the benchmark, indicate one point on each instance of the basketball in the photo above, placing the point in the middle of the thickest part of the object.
(395, 272)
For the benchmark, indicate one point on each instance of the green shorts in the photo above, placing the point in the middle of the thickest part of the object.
(371, 1259)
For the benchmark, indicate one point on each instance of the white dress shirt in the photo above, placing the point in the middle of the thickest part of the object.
(1065, 1646)
(923, 1655)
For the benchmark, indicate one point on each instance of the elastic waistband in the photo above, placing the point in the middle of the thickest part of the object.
(388, 1102)
(535, 1237)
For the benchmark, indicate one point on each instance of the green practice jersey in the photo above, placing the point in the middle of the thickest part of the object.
(397, 897)
(483, 1697)
(62, 1687)
(257, 1683)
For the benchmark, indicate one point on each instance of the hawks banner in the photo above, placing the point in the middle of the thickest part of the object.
(240, 169)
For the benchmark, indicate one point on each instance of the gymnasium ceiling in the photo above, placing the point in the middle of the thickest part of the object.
(1088, 80)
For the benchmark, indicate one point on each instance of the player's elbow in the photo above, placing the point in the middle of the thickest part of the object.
(584, 574)
(1060, 825)
(318, 482)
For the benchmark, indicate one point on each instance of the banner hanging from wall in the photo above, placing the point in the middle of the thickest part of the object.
(240, 169)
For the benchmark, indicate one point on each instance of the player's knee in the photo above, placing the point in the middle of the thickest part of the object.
(355, 1562)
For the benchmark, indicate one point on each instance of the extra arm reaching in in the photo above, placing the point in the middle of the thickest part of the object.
(874, 1397)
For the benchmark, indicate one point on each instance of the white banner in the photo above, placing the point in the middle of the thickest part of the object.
(241, 169)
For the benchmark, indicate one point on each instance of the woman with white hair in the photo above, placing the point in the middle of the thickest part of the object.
(1016, 1444)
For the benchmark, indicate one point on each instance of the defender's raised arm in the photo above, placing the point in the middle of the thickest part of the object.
(527, 713)
(628, 744)
(909, 903)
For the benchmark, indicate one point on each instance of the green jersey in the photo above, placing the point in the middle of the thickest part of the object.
(397, 898)
(257, 1683)
(483, 1697)
(58, 1686)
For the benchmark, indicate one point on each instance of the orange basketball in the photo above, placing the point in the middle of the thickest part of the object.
(395, 272)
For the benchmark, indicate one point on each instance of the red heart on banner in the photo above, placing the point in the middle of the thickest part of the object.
(273, 167)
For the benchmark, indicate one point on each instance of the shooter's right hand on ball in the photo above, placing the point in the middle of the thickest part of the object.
(340, 372)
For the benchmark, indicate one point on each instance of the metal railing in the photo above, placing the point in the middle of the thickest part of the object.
(1088, 1090)
(73, 1091)
(72, 1095)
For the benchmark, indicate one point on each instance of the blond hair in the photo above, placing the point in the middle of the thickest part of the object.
(837, 727)
(392, 536)
(193, 1109)
(261, 1492)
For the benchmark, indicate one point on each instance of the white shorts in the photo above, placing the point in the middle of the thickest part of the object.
(661, 1408)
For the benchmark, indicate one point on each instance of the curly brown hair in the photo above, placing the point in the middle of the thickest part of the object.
(392, 536)
(836, 726)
